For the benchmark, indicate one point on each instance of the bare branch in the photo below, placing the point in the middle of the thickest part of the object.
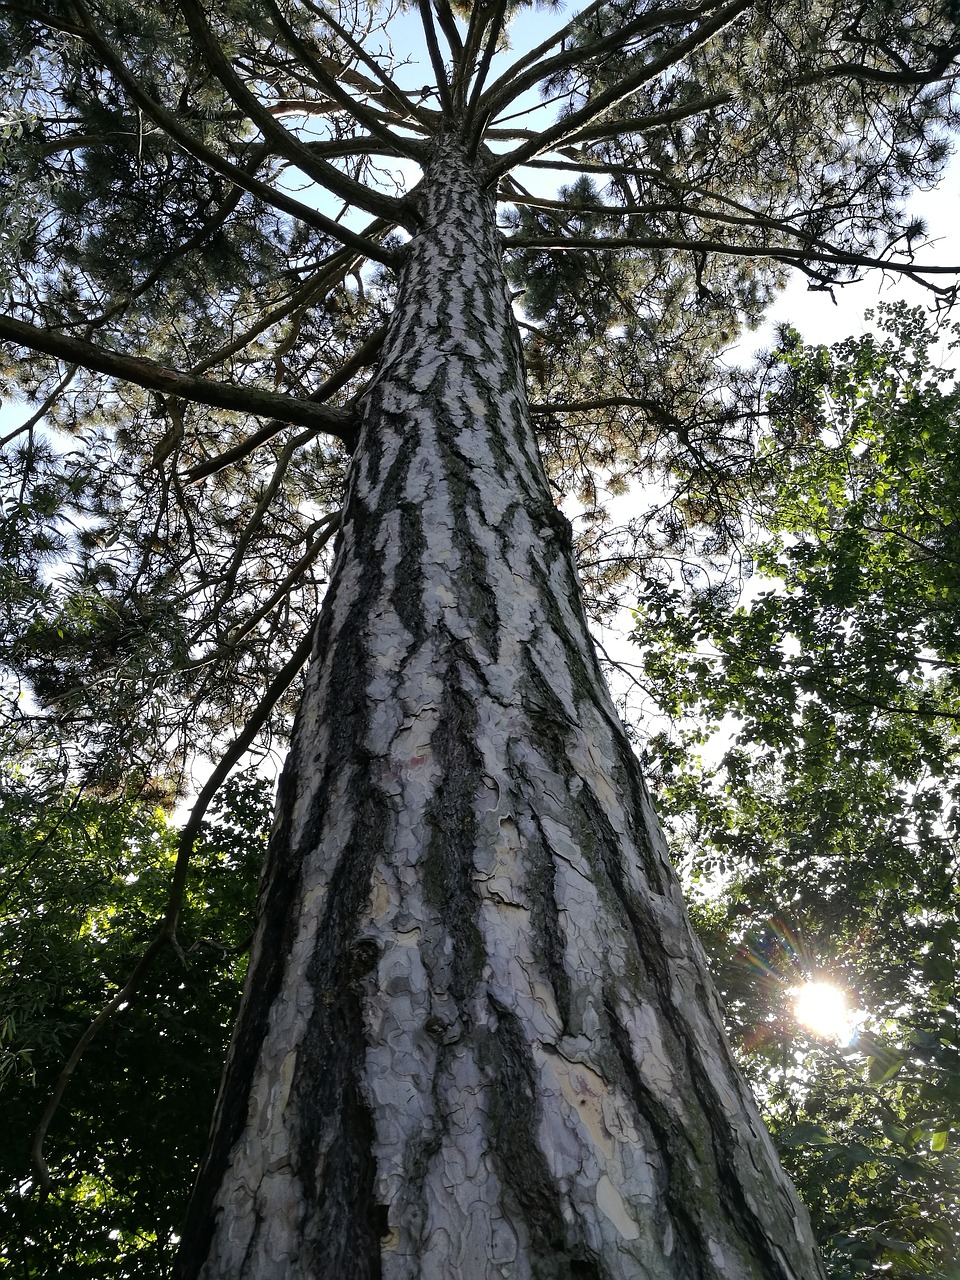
(330, 85)
(391, 90)
(436, 58)
(332, 524)
(44, 409)
(602, 402)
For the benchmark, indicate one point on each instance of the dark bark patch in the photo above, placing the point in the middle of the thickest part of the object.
(407, 594)
(475, 593)
(451, 817)
(678, 1189)
(545, 918)
(529, 1187)
(335, 1161)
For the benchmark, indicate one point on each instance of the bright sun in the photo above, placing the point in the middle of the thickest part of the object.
(824, 1010)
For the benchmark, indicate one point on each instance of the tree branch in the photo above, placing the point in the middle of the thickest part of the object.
(436, 58)
(391, 90)
(332, 523)
(602, 402)
(512, 75)
(192, 145)
(362, 114)
(495, 101)
(474, 118)
(286, 143)
(787, 254)
(154, 377)
(360, 359)
(44, 409)
(623, 89)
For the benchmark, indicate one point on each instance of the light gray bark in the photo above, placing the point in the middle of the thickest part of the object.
(478, 1038)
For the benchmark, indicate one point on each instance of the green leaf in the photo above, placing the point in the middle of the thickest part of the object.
(884, 1067)
(806, 1134)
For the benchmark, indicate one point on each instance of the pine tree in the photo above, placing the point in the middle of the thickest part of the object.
(478, 1037)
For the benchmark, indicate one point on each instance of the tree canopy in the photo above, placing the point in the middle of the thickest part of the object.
(204, 210)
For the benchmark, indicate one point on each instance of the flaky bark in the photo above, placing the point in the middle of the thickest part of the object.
(478, 1038)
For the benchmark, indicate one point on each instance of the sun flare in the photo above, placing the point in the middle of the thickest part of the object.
(823, 1009)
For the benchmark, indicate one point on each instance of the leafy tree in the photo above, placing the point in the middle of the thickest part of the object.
(478, 1032)
(832, 811)
(139, 1108)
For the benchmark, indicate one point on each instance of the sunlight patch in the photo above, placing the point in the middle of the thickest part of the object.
(824, 1009)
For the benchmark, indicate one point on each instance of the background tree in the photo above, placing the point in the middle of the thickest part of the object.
(161, 243)
(99, 870)
(812, 764)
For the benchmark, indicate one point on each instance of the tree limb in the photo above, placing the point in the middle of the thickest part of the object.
(622, 90)
(283, 140)
(788, 254)
(169, 123)
(436, 58)
(391, 90)
(360, 359)
(362, 114)
(495, 100)
(154, 377)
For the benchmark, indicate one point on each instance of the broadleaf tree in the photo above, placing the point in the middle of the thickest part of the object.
(812, 762)
(98, 866)
(256, 288)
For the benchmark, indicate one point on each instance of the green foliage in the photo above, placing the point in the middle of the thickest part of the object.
(84, 884)
(814, 767)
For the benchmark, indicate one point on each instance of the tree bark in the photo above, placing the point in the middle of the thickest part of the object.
(478, 1039)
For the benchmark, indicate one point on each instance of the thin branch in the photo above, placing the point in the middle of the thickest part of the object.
(788, 254)
(189, 143)
(335, 268)
(392, 90)
(623, 89)
(154, 377)
(332, 523)
(749, 218)
(44, 409)
(166, 935)
(330, 85)
(286, 143)
(360, 359)
(602, 402)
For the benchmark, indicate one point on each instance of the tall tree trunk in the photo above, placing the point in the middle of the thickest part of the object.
(478, 1039)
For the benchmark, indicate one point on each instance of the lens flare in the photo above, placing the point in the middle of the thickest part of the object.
(823, 1009)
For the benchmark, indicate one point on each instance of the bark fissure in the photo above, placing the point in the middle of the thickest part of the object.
(478, 1039)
